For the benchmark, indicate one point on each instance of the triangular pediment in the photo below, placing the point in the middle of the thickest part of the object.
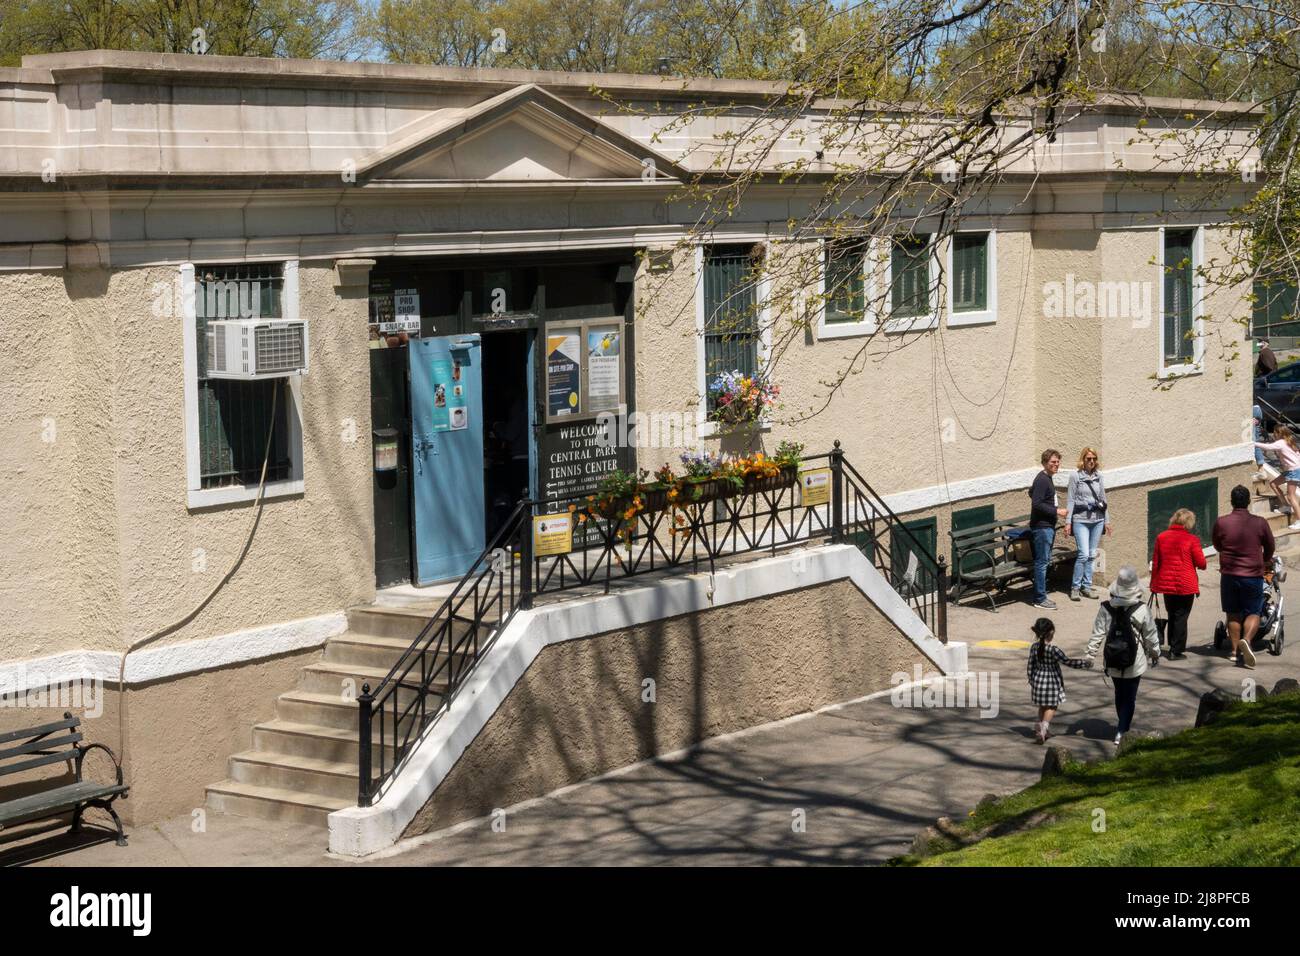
(523, 135)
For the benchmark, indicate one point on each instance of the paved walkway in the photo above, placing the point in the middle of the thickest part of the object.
(863, 777)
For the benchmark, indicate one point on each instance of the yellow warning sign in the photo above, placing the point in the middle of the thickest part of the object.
(815, 483)
(552, 534)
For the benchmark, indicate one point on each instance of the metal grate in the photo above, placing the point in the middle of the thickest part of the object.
(278, 348)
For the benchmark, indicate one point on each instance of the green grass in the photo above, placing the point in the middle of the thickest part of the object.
(1223, 795)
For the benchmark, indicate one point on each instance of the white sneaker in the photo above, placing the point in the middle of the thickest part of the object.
(1294, 526)
(1118, 738)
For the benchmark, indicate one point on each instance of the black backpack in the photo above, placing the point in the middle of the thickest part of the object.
(1120, 650)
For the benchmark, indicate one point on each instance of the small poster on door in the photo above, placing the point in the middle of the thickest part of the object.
(815, 484)
(602, 366)
(440, 372)
(552, 534)
(563, 373)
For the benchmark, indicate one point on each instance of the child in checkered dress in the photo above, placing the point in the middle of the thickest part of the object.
(1046, 686)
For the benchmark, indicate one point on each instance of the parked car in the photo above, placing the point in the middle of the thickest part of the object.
(1278, 393)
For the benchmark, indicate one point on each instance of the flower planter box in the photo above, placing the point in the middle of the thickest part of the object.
(699, 491)
(788, 477)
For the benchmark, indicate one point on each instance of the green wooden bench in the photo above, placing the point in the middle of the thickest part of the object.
(59, 742)
(985, 558)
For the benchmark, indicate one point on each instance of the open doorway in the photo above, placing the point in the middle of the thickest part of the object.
(508, 414)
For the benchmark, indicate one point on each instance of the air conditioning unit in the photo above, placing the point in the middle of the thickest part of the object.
(256, 348)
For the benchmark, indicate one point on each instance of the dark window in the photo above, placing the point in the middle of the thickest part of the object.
(1179, 270)
(235, 416)
(1200, 497)
(970, 272)
(1275, 310)
(730, 312)
(910, 277)
(845, 289)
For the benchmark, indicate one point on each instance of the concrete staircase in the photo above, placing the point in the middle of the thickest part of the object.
(303, 764)
(1266, 503)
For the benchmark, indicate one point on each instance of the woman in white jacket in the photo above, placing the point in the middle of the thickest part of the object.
(1126, 597)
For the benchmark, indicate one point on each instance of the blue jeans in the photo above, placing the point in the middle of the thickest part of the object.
(1087, 535)
(1043, 538)
(1126, 698)
(1259, 432)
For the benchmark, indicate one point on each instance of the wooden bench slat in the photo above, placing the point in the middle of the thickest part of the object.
(35, 745)
(40, 731)
(57, 800)
(63, 756)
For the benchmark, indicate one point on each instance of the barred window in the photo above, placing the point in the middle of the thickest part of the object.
(730, 311)
(970, 272)
(910, 277)
(235, 416)
(1179, 347)
(845, 267)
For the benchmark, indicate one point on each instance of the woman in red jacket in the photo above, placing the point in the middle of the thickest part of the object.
(1173, 574)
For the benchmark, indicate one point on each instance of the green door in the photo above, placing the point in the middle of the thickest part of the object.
(1200, 497)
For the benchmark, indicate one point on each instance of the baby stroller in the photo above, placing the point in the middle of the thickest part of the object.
(1272, 623)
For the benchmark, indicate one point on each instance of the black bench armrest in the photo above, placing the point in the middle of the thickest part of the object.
(963, 553)
(83, 749)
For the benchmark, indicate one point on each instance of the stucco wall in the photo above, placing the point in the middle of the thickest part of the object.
(180, 732)
(937, 406)
(578, 711)
(104, 549)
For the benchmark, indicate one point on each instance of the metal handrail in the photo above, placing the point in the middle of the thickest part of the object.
(504, 579)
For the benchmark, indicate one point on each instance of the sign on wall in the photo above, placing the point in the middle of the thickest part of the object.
(563, 373)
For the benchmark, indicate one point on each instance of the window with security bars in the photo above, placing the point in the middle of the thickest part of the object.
(730, 312)
(969, 279)
(845, 267)
(1179, 346)
(235, 416)
(909, 269)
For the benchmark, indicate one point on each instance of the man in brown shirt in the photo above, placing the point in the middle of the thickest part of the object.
(1245, 545)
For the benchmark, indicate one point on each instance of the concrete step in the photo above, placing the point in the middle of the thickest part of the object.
(367, 650)
(331, 744)
(306, 775)
(345, 681)
(326, 710)
(399, 622)
(273, 803)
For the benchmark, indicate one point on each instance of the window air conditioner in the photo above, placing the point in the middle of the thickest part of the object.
(256, 348)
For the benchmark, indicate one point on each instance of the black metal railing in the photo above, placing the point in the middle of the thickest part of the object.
(614, 540)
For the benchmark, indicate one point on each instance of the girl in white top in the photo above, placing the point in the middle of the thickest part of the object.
(1288, 455)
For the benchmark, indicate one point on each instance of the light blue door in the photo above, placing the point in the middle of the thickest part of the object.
(447, 455)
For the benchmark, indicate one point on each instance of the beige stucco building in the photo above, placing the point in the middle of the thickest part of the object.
(379, 204)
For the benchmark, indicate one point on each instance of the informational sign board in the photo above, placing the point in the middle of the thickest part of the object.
(406, 312)
(815, 485)
(574, 458)
(552, 534)
(603, 345)
(563, 373)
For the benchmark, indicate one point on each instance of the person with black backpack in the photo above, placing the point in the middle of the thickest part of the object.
(1126, 634)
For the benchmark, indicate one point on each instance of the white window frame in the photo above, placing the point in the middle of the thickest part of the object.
(916, 323)
(870, 319)
(1197, 365)
(196, 495)
(985, 316)
(703, 427)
